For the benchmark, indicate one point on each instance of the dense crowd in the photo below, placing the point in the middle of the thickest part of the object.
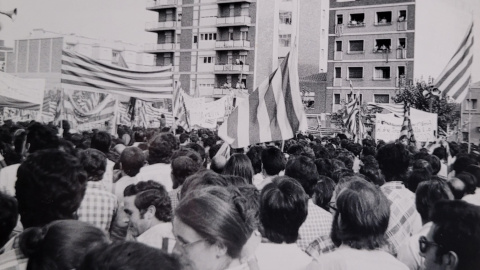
(158, 199)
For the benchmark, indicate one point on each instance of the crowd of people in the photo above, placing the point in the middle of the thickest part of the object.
(158, 199)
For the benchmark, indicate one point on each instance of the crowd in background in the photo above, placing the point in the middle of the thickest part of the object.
(158, 199)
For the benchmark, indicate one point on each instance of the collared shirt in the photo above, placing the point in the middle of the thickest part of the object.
(173, 194)
(404, 218)
(347, 258)
(265, 180)
(159, 236)
(409, 251)
(317, 224)
(98, 206)
(281, 256)
(107, 179)
(473, 198)
(11, 258)
(319, 246)
(158, 172)
(8, 178)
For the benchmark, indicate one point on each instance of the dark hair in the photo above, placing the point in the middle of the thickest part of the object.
(130, 256)
(188, 152)
(50, 186)
(457, 187)
(422, 164)
(440, 152)
(183, 137)
(303, 170)
(461, 163)
(369, 151)
(362, 216)
(202, 179)
(61, 244)
(373, 173)
(219, 216)
(475, 171)
(273, 160)
(435, 163)
(469, 180)
(355, 148)
(213, 150)
(252, 203)
(183, 167)
(324, 166)
(457, 229)
(41, 137)
(341, 173)
(295, 150)
(239, 165)
(197, 148)
(94, 162)
(218, 163)
(416, 177)
(393, 159)
(234, 180)
(132, 160)
(159, 199)
(160, 150)
(428, 193)
(323, 192)
(255, 156)
(134, 189)
(101, 141)
(8, 216)
(283, 209)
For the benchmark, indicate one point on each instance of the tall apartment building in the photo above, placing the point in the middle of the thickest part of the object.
(215, 45)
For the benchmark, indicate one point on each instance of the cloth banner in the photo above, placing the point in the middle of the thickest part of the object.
(151, 115)
(424, 124)
(20, 93)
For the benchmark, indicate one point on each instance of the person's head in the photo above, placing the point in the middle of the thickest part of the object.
(283, 209)
(94, 162)
(469, 180)
(303, 170)
(132, 160)
(146, 208)
(361, 216)
(202, 179)
(273, 161)
(416, 177)
(41, 137)
(252, 196)
(61, 244)
(101, 141)
(428, 193)
(8, 216)
(324, 166)
(183, 167)
(373, 174)
(50, 186)
(475, 171)
(239, 165)
(422, 164)
(457, 187)
(369, 151)
(199, 149)
(218, 163)
(453, 241)
(355, 148)
(440, 152)
(160, 150)
(213, 150)
(434, 163)
(184, 138)
(254, 153)
(393, 159)
(323, 191)
(211, 226)
(130, 256)
(462, 162)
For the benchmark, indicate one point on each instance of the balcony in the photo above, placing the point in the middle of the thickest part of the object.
(164, 47)
(338, 55)
(337, 82)
(402, 26)
(232, 21)
(220, 92)
(381, 50)
(232, 69)
(339, 30)
(233, 1)
(160, 26)
(356, 24)
(401, 53)
(233, 45)
(159, 4)
(382, 23)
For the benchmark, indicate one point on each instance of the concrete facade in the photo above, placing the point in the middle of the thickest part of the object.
(471, 113)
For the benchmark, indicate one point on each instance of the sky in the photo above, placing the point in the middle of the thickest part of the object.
(125, 20)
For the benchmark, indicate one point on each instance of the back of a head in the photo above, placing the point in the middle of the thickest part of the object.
(132, 160)
(457, 229)
(202, 179)
(283, 209)
(213, 150)
(254, 153)
(422, 164)
(50, 186)
(440, 152)
(393, 159)
(303, 170)
(8, 216)
(469, 180)
(183, 137)
(362, 216)
(94, 162)
(197, 148)
(416, 177)
(323, 192)
(101, 141)
(183, 167)
(462, 162)
(130, 256)
(273, 160)
(157, 198)
(475, 171)
(61, 244)
(239, 165)
(430, 192)
(252, 204)
(355, 148)
(41, 137)
(161, 149)
(457, 187)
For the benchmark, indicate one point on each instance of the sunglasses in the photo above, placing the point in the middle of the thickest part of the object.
(425, 244)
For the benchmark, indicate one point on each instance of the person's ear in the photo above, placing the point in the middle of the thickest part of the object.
(450, 260)
(220, 250)
(150, 212)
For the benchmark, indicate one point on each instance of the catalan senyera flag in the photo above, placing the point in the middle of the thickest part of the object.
(407, 129)
(397, 109)
(274, 111)
(179, 108)
(455, 78)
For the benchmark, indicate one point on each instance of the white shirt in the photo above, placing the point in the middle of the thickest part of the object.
(8, 177)
(347, 258)
(121, 184)
(281, 256)
(409, 251)
(154, 236)
(158, 172)
(107, 179)
(473, 198)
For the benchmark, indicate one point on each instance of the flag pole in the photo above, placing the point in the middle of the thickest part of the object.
(469, 118)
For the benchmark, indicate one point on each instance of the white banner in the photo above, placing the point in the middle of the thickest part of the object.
(387, 127)
(28, 90)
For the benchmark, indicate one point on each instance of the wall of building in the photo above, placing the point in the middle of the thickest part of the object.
(472, 115)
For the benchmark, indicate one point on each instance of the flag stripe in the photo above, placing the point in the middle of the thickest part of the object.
(289, 103)
(460, 95)
(459, 64)
(255, 110)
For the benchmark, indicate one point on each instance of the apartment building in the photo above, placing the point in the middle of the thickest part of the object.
(469, 126)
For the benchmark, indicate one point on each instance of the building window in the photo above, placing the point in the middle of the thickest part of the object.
(243, 35)
(338, 46)
(167, 59)
(285, 40)
(286, 17)
(115, 57)
(339, 18)
(356, 46)
(357, 19)
(402, 43)
(308, 99)
(382, 45)
(195, 39)
(336, 98)
(381, 98)
(338, 72)
(207, 60)
(381, 73)
(402, 15)
(349, 97)
(208, 36)
(383, 18)
(355, 72)
(471, 105)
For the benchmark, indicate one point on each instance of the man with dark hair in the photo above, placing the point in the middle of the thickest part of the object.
(358, 230)
(184, 139)
(99, 205)
(149, 212)
(254, 153)
(283, 209)
(132, 160)
(273, 161)
(159, 156)
(200, 150)
(453, 241)
(50, 186)
(182, 167)
(393, 159)
(8, 217)
(319, 221)
(474, 198)
(428, 193)
(102, 142)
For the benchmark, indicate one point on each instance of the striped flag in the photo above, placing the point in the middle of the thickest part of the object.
(274, 111)
(455, 78)
(83, 73)
(397, 109)
(407, 129)
(179, 108)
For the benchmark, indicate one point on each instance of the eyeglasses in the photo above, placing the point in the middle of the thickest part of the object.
(186, 245)
(425, 244)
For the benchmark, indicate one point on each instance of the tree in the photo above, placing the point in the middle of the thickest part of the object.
(422, 97)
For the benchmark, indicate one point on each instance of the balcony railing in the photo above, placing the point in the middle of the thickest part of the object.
(339, 30)
(400, 81)
(337, 82)
(221, 91)
(233, 1)
(402, 25)
(160, 4)
(162, 47)
(232, 44)
(382, 23)
(356, 24)
(381, 79)
(381, 50)
(230, 68)
(152, 26)
(240, 20)
(338, 55)
(401, 53)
